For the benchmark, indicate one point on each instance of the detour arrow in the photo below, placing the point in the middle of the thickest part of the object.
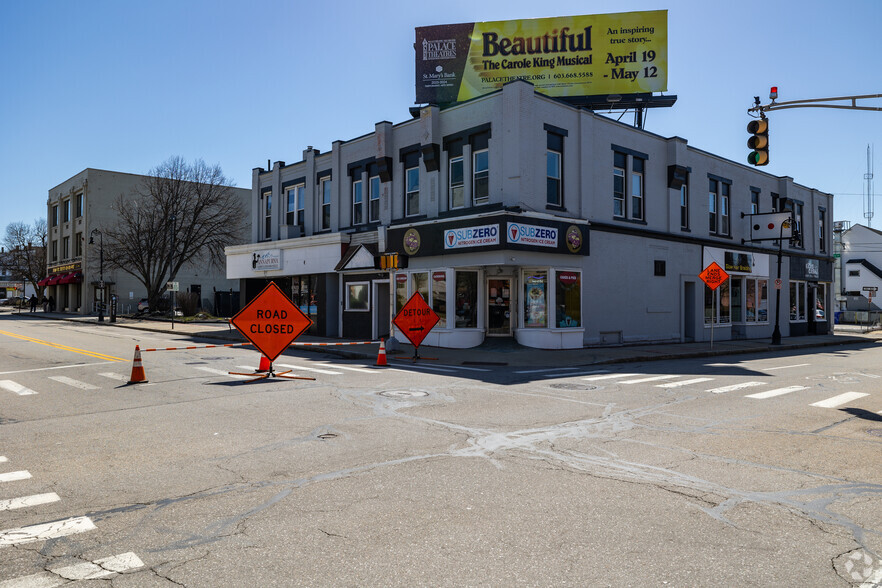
(416, 319)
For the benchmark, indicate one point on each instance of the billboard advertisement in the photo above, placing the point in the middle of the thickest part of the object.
(623, 53)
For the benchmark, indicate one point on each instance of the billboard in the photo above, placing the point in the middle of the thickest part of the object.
(623, 53)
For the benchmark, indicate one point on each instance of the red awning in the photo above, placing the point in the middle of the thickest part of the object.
(54, 279)
(44, 281)
(71, 278)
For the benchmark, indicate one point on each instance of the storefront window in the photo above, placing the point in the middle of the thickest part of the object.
(737, 291)
(400, 292)
(536, 299)
(568, 296)
(466, 300)
(820, 298)
(420, 283)
(797, 301)
(357, 296)
(304, 294)
(716, 305)
(756, 300)
(439, 297)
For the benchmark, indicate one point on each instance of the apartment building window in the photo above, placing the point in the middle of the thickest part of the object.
(412, 196)
(55, 215)
(822, 230)
(325, 204)
(65, 248)
(80, 198)
(294, 204)
(754, 201)
(797, 217)
(457, 188)
(357, 202)
(374, 199)
(267, 210)
(66, 205)
(684, 206)
(554, 149)
(481, 176)
(629, 169)
(718, 206)
(54, 250)
(78, 245)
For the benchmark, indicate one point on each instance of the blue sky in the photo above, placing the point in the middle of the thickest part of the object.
(124, 85)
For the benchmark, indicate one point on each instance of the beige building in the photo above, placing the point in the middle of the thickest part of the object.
(80, 205)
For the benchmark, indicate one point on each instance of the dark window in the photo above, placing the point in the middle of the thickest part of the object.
(659, 267)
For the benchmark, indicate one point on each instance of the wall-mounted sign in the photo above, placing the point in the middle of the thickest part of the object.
(588, 55)
(471, 236)
(531, 235)
(268, 259)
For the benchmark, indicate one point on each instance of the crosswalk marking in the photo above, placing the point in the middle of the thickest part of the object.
(115, 376)
(650, 379)
(776, 392)
(734, 387)
(26, 501)
(74, 383)
(2, 459)
(784, 367)
(350, 368)
(545, 370)
(608, 376)
(839, 400)
(223, 373)
(45, 531)
(307, 369)
(683, 383)
(15, 476)
(16, 388)
(100, 568)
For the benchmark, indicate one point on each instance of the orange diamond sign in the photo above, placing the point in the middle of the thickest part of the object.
(271, 321)
(713, 275)
(415, 319)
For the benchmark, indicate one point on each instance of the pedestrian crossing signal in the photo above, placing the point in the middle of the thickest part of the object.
(759, 141)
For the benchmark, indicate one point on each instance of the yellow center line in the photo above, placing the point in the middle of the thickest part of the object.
(64, 347)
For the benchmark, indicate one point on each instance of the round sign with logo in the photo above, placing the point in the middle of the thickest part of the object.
(411, 241)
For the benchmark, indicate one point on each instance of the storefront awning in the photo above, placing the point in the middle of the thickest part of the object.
(54, 279)
(71, 278)
(44, 281)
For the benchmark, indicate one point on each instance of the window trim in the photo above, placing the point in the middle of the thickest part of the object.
(684, 205)
(325, 190)
(374, 198)
(357, 203)
(451, 186)
(408, 193)
(367, 287)
(484, 174)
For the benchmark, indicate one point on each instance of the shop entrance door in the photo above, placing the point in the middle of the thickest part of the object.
(499, 307)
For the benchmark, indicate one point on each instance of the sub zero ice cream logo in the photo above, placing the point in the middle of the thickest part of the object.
(440, 49)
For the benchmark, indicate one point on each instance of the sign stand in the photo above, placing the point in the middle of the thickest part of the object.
(415, 320)
(270, 373)
(713, 275)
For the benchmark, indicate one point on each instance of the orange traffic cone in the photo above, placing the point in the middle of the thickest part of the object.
(138, 374)
(264, 364)
(381, 356)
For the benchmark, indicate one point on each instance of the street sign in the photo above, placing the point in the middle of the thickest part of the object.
(173, 286)
(271, 321)
(766, 226)
(416, 319)
(870, 288)
(713, 275)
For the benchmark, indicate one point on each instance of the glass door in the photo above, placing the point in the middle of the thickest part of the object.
(499, 307)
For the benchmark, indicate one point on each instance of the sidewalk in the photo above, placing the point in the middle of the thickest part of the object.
(500, 352)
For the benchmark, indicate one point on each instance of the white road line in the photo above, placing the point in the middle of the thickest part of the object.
(785, 367)
(419, 366)
(74, 383)
(2, 459)
(839, 400)
(683, 383)
(56, 367)
(115, 376)
(25, 501)
(734, 387)
(652, 379)
(45, 531)
(545, 370)
(228, 374)
(100, 568)
(776, 392)
(307, 369)
(15, 387)
(15, 476)
(350, 368)
(609, 376)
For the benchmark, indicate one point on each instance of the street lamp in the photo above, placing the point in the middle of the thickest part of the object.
(776, 334)
(101, 269)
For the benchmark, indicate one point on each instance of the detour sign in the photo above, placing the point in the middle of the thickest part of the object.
(271, 321)
(416, 319)
(713, 275)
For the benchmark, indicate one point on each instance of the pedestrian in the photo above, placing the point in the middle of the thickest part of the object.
(33, 302)
(45, 303)
(51, 304)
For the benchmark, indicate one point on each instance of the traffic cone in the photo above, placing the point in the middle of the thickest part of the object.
(138, 374)
(264, 364)
(381, 356)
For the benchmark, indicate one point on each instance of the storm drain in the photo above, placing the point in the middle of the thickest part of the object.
(404, 394)
(566, 386)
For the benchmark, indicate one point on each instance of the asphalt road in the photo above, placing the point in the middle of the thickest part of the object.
(763, 470)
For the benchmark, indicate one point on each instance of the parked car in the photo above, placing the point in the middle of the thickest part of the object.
(14, 301)
(143, 305)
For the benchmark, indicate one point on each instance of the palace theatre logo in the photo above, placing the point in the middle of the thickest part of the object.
(443, 49)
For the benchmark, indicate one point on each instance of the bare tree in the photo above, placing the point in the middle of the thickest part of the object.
(24, 251)
(183, 213)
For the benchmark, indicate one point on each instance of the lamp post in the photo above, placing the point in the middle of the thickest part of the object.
(776, 334)
(100, 269)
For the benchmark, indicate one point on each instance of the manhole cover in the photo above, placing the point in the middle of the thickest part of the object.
(404, 394)
(876, 432)
(565, 386)
(328, 435)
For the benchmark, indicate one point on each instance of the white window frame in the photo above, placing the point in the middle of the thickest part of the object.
(325, 195)
(357, 202)
(482, 173)
(553, 173)
(367, 287)
(459, 186)
(684, 206)
(409, 192)
(266, 203)
(374, 199)
(295, 208)
(637, 191)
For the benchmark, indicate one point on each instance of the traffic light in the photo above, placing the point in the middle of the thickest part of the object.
(392, 261)
(759, 141)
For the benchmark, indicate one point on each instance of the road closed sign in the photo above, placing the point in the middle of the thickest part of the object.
(271, 321)
(415, 319)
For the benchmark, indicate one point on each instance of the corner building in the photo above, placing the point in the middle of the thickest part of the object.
(518, 215)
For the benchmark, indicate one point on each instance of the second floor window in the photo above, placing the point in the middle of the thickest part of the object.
(65, 248)
(552, 173)
(78, 245)
(295, 206)
(481, 175)
(754, 201)
(822, 230)
(80, 205)
(374, 199)
(55, 216)
(412, 195)
(457, 187)
(357, 203)
(67, 211)
(325, 207)
(637, 188)
(267, 215)
(620, 161)
(628, 189)
(718, 207)
(684, 206)
(54, 250)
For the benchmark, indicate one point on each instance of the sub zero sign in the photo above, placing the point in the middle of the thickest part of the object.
(271, 321)
(415, 319)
